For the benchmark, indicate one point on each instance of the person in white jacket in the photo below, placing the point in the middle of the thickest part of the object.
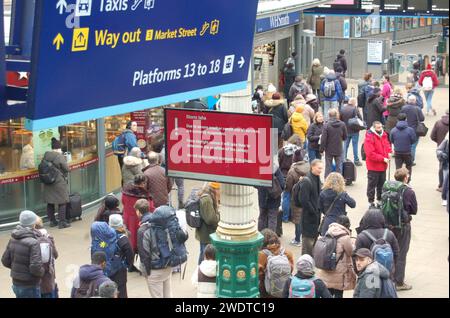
(204, 277)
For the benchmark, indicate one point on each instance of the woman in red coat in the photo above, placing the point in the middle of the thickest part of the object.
(429, 81)
(130, 194)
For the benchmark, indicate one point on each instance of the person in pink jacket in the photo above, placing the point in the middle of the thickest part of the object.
(386, 92)
(429, 81)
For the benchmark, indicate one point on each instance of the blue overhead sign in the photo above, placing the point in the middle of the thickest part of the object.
(277, 22)
(127, 55)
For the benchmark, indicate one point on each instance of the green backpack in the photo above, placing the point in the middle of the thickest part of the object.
(392, 203)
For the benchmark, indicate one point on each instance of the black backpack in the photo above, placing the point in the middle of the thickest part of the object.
(296, 190)
(324, 252)
(192, 208)
(87, 289)
(48, 173)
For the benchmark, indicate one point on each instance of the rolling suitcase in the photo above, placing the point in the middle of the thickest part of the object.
(349, 172)
(74, 207)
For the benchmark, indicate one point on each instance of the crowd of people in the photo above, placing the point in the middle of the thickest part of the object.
(316, 124)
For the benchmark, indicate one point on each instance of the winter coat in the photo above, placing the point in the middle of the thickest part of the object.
(298, 88)
(23, 257)
(48, 283)
(321, 289)
(339, 93)
(314, 104)
(309, 197)
(58, 192)
(440, 130)
(104, 214)
(130, 140)
(409, 203)
(286, 158)
(277, 108)
(342, 81)
(313, 135)
(334, 134)
(343, 277)
(348, 112)
(326, 198)
(210, 219)
(377, 148)
(89, 273)
(429, 73)
(130, 194)
(204, 278)
(275, 249)
(158, 185)
(289, 77)
(27, 158)
(442, 155)
(297, 170)
(374, 272)
(403, 137)
(375, 110)
(342, 61)
(126, 253)
(386, 92)
(299, 125)
(132, 166)
(265, 200)
(315, 77)
(394, 106)
(308, 112)
(414, 115)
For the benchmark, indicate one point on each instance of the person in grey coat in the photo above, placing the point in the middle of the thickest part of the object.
(57, 193)
(23, 257)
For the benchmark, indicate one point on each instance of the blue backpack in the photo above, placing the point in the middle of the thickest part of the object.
(419, 100)
(388, 289)
(382, 250)
(105, 239)
(118, 145)
(302, 288)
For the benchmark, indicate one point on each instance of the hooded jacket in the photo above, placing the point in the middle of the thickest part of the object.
(403, 137)
(286, 157)
(265, 200)
(89, 273)
(315, 77)
(373, 273)
(23, 257)
(429, 73)
(414, 115)
(343, 277)
(130, 139)
(326, 199)
(278, 109)
(377, 148)
(339, 93)
(132, 166)
(334, 134)
(342, 61)
(204, 278)
(299, 125)
(58, 192)
(342, 81)
(309, 197)
(440, 130)
(313, 135)
(297, 170)
(158, 185)
(298, 88)
(394, 106)
(375, 110)
(210, 219)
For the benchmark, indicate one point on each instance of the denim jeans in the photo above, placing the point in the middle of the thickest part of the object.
(286, 206)
(27, 292)
(429, 98)
(354, 139)
(314, 154)
(413, 150)
(327, 105)
(53, 294)
(298, 232)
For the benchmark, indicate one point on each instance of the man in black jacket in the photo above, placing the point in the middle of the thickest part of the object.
(404, 235)
(309, 198)
(414, 116)
(334, 134)
(340, 61)
(23, 257)
(348, 112)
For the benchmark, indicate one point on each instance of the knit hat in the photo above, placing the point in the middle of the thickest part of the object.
(115, 221)
(27, 218)
(111, 202)
(56, 144)
(214, 185)
(299, 109)
(276, 96)
(310, 97)
(305, 265)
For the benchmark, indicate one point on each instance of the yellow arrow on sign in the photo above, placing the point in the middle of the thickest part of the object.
(58, 40)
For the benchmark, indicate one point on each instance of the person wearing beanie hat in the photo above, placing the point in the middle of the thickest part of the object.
(56, 194)
(23, 257)
(109, 207)
(299, 123)
(278, 109)
(305, 276)
(132, 165)
(429, 81)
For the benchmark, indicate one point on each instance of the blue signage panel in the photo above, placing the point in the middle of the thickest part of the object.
(277, 21)
(2, 63)
(93, 58)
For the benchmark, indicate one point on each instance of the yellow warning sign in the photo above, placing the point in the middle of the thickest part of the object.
(80, 39)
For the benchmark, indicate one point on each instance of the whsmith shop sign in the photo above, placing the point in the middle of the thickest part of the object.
(131, 55)
(277, 22)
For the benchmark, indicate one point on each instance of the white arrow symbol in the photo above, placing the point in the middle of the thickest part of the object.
(241, 62)
(61, 5)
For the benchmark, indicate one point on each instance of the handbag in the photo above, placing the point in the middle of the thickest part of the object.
(421, 129)
(356, 123)
(328, 211)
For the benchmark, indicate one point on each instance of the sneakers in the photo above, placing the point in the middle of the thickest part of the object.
(295, 243)
(444, 202)
(358, 163)
(63, 225)
(402, 287)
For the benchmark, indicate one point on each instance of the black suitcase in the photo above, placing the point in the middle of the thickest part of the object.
(74, 209)
(349, 172)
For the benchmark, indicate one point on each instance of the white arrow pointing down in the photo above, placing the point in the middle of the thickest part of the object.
(241, 62)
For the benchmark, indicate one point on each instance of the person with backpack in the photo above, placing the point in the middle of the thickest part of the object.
(299, 123)
(313, 135)
(308, 199)
(333, 136)
(414, 116)
(394, 106)
(299, 87)
(308, 112)
(158, 184)
(125, 142)
(86, 284)
(275, 266)
(132, 165)
(378, 152)
(348, 112)
(375, 107)
(332, 200)
(413, 90)
(402, 228)
(374, 235)
(403, 137)
(440, 130)
(209, 214)
(205, 275)
(124, 252)
(313, 102)
(342, 277)
(332, 92)
(304, 284)
(277, 107)
(362, 89)
(341, 78)
(429, 81)
(53, 172)
(161, 246)
(340, 62)
(315, 77)
(109, 207)
(373, 278)
(49, 288)
(23, 257)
